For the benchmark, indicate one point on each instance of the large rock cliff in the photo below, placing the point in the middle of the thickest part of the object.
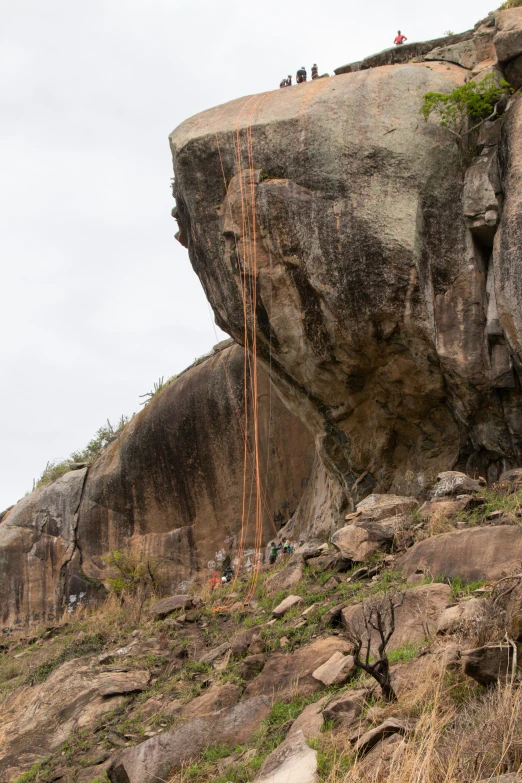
(390, 327)
(170, 487)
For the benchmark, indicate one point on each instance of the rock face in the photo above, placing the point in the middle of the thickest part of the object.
(170, 486)
(38, 552)
(375, 301)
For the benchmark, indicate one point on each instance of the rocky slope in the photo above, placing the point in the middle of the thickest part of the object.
(391, 322)
(170, 487)
(262, 686)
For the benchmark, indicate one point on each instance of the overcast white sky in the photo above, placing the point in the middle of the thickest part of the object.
(97, 299)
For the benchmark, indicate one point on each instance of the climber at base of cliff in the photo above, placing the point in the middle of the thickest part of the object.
(274, 549)
(400, 38)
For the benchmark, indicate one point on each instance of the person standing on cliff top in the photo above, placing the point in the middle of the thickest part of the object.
(315, 71)
(400, 39)
(300, 76)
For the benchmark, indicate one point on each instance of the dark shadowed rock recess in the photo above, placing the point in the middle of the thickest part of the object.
(170, 486)
(391, 325)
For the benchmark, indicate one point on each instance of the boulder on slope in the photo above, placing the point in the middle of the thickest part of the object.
(403, 377)
(286, 674)
(415, 619)
(289, 576)
(473, 554)
(291, 762)
(359, 541)
(311, 720)
(460, 617)
(124, 682)
(490, 664)
(346, 708)
(168, 751)
(213, 699)
(453, 482)
(171, 604)
(336, 670)
(286, 604)
(380, 507)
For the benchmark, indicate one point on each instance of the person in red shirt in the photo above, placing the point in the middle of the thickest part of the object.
(400, 39)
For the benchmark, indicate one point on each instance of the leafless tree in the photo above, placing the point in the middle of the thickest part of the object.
(370, 631)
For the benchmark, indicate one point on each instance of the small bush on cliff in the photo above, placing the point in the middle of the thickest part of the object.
(103, 438)
(136, 577)
(510, 4)
(468, 105)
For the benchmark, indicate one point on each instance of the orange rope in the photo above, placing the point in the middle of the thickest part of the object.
(248, 269)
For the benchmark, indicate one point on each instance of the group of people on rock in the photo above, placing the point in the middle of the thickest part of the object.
(301, 76)
(228, 571)
(285, 545)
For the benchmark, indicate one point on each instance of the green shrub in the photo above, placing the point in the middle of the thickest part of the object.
(103, 438)
(510, 4)
(135, 572)
(470, 103)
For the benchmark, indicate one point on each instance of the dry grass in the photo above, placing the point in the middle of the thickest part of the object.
(461, 733)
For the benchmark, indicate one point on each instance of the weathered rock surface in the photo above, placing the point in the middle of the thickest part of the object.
(512, 478)
(215, 653)
(403, 54)
(168, 605)
(286, 674)
(345, 708)
(124, 682)
(310, 721)
(460, 617)
(373, 736)
(288, 577)
(508, 41)
(36, 720)
(292, 762)
(507, 260)
(170, 486)
(215, 698)
(336, 670)
(474, 554)
(149, 760)
(379, 507)
(357, 542)
(490, 664)
(443, 507)
(416, 618)
(383, 330)
(37, 548)
(453, 482)
(286, 604)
